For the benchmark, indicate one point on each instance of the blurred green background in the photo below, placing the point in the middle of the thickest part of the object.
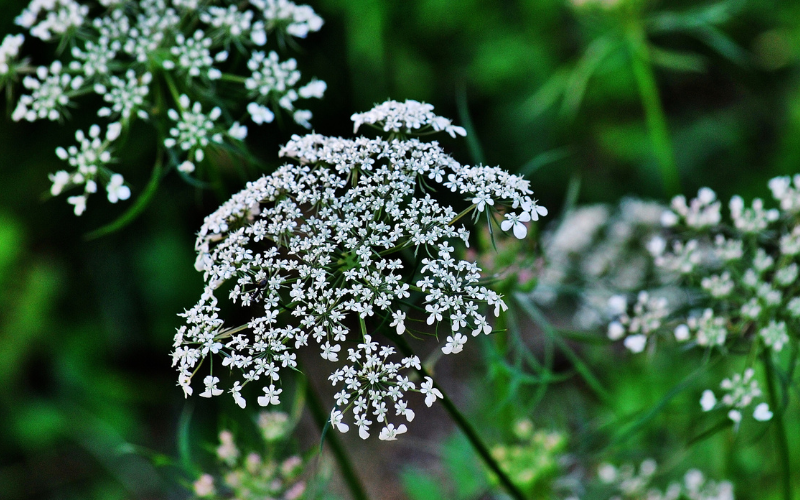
(546, 87)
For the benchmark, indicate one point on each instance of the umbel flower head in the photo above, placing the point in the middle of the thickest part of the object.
(744, 295)
(129, 53)
(333, 249)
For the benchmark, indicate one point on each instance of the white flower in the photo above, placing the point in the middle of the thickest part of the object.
(270, 396)
(186, 167)
(617, 304)
(314, 88)
(431, 393)
(635, 343)
(708, 401)
(204, 486)
(615, 330)
(455, 344)
(60, 180)
(211, 387)
(389, 433)
(516, 221)
(336, 421)
(79, 202)
(238, 131)
(117, 190)
(481, 201)
(762, 413)
(398, 321)
(302, 117)
(237, 396)
(408, 117)
(682, 333)
(260, 114)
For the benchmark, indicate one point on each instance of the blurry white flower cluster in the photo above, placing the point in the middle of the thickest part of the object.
(145, 57)
(628, 483)
(595, 252)
(333, 249)
(255, 476)
(740, 275)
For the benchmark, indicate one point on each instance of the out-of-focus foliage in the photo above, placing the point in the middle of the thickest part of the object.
(85, 327)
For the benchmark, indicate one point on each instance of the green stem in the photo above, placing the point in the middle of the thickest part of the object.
(136, 208)
(653, 109)
(462, 214)
(777, 409)
(466, 428)
(345, 465)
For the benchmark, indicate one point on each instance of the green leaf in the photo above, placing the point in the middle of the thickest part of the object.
(582, 368)
(715, 14)
(578, 80)
(677, 60)
(474, 144)
(726, 47)
(543, 159)
(547, 95)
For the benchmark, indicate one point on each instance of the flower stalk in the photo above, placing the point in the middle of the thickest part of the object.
(467, 428)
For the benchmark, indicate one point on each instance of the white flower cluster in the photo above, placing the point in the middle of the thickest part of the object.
(595, 252)
(744, 279)
(740, 392)
(254, 475)
(647, 317)
(9, 50)
(342, 237)
(406, 117)
(632, 484)
(131, 51)
(57, 17)
(297, 20)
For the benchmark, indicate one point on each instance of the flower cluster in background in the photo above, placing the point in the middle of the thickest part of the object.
(631, 483)
(161, 62)
(534, 460)
(594, 253)
(741, 280)
(254, 475)
(344, 235)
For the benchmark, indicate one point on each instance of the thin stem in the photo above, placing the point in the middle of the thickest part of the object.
(462, 214)
(345, 465)
(777, 408)
(653, 109)
(466, 428)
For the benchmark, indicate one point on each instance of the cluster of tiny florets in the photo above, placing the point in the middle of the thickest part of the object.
(742, 273)
(406, 117)
(629, 482)
(739, 393)
(341, 236)
(255, 475)
(126, 52)
(596, 252)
